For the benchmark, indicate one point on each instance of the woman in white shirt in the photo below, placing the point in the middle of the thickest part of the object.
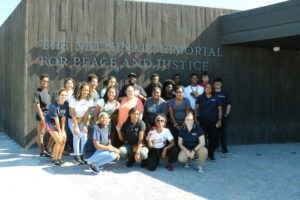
(157, 143)
(80, 104)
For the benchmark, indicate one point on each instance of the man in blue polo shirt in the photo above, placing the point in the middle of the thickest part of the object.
(226, 108)
(208, 112)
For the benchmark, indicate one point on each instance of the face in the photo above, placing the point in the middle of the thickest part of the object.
(130, 92)
(189, 120)
(85, 91)
(155, 80)
(135, 116)
(94, 83)
(194, 79)
(63, 96)
(179, 93)
(111, 94)
(69, 85)
(112, 82)
(217, 85)
(177, 79)
(132, 80)
(169, 88)
(208, 89)
(104, 119)
(205, 79)
(156, 94)
(160, 121)
(44, 82)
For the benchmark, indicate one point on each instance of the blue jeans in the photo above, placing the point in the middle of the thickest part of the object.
(101, 157)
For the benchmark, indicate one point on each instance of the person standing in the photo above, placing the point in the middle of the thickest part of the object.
(56, 120)
(193, 90)
(226, 108)
(41, 101)
(69, 86)
(98, 150)
(167, 92)
(191, 142)
(80, 105)
(154, 82)
(111, 81)
(93, 83)
(161, 144)
(138, 90)
(204, 79)
(177, 79)
(208, 112)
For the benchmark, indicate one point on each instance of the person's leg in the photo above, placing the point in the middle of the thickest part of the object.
(126, 151)
(153, 158)
(223, 135)
(212, 132)
(202, 154)
(57, 145)
(41, 133)
(63, 137)
(76, 138)
(69, 142)
(83, 139)
(51, 143)
(104, 157)
(144, 153)
(172, 154)
(182, 157)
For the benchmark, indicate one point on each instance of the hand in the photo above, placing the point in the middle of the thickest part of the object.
(219, 124)
(178, 127)
(149, 136)
(187, 152)
(84, 128)
(116, 150)
(76, 131)
(192, 155)
(137, 156)
(118, 127)
(164, 153)
(118, 156)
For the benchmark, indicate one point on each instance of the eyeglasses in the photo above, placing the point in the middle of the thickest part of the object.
(178, 92)
(189, 120)
(159, 120)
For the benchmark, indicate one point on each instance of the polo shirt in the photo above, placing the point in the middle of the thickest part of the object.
(208, 108)
(224, 100)
(190, 139)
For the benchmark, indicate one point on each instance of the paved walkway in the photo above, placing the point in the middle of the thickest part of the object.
(267, 172)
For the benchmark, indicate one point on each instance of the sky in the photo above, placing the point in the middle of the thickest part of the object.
(7, 6)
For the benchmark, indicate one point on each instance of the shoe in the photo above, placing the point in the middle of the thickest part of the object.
(66, 153)
(94, 168)
(225, 150)
(82, 159)
(130, 163)
(61, 161)
(200, 169)
(169, 167)
(212, 158)
(56, 162)
(144, 163)
(186, 165)
(49, 151)
(77, 160)
(44, 154)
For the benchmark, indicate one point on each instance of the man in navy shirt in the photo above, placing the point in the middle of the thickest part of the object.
(208, 112)
(226, 108)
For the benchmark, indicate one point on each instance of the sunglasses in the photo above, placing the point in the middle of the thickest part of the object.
(159, 120)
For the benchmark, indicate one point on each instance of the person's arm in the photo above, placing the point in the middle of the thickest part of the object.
(97, 111)
(86, 118)
(171, 112)
(228, 110)
(137, 155)
(182, 147)
(219, 122)
(197, 106)
(120, 130)
(63, 122)
(73, 116)
(39, 111)
(164, 152)
(57, 124)
(101, 146)
(140, 106)
(149, 139)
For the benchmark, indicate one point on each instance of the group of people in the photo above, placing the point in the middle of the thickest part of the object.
(142, 125)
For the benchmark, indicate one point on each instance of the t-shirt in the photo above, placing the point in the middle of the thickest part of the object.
(137, 91)
(152, 108)
(190, 139)
(99, 134)
(131, 131)
(56, 110)
(95, 100)
(179, 110)
(42, 97)
(126, 105)
(108, 107)
(70, 94)
(159, 140)
(150, 87)
(224, 100)
(208, 108)
(192, 93)
(80, 106)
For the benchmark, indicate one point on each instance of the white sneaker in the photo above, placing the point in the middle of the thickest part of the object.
(186, 165)
(200, 170)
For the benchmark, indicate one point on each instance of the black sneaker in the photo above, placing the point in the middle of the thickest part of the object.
(44, 154)
(130, 163)
(169, 167)
(225, 150)
(144, 163)
(56, 162)
(82, 159)
(77, 160)
(94, 168)
(212, 158)
(49, 152)
(61, 161)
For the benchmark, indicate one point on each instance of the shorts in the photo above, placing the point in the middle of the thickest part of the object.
(50, 127)
(37, 117)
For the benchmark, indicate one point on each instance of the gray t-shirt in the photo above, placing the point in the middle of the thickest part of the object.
(179, 111)
(152, 108)
(42, 97)
(96, 97)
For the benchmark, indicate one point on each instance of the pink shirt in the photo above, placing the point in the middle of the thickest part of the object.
(126, 105)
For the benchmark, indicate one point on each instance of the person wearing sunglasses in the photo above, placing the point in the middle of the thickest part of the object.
(161, 144)
(191, 142)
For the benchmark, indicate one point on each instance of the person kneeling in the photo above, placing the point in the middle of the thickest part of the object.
(157, 140)
(98, 149)
(191, 141)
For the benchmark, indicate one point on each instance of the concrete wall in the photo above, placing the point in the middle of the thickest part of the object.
(12, 75)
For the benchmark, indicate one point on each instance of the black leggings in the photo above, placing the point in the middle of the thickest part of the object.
(155, 154)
